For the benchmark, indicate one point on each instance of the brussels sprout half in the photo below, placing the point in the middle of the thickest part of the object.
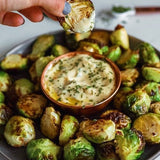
(14, 62)
(106, 151)
(40, 46)
(32, 105)
(5, 81)
(69, 126)
(78, 149)
(148, 54)
(121, 120)
(129, 77)
(151, 73)
(137, 103)
(129, 144)
(81, 18)
(19, 131)
(128, 59)
(43, 149)
(155, 107)
(2, 97)
(149, 125)
(50, 123)
(58, 50)
(98, 130)
(120, 37)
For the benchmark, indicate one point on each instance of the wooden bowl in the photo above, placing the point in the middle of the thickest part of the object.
(88, 110)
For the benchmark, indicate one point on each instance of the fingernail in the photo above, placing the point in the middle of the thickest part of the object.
(67, 8)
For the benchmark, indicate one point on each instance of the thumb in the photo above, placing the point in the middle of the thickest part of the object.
(54, 7)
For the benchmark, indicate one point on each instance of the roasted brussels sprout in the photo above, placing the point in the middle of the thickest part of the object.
(152, 89)
(98, 130)
(120, 37)
(72, 39)
(113, 53)
(148, 54)
(129, 77)
(129, 144)
(151, 73)
(149, 125)
(128, 59)
(69, 126)
(5, 114)
(58, 50)
(38, 66)
(31, 105)
(2, 97)
(40, 46)
(106, 151)
(120, 97)
(5, 81)
(81, 18)
(137, 103)
(79, 148)
(19, 131)
(14, 62)
(101, 36)
(155, 107)
(121, 120)
(43, 149)
(50, 123)
(90, 46)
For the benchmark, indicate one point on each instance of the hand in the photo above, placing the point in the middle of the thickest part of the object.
(31, 9)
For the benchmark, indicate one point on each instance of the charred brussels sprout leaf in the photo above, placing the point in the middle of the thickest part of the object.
(148, 54)
(98, 131)
(120, 37)
(151, 74)
(129, 144)
(106, 151)
(81, 18)
(43, 149)
(5, 114)
(137, 103)
(58, 50)
(40, 46)
(72, 39)
(69, 126)
(19, 131)
(14, 62)
(78, 149)
(128, 59)
(149, 125)
(5, 81)
(50, 123)
(121, 120)
(120, 97)
(129, 77)
(31, 105)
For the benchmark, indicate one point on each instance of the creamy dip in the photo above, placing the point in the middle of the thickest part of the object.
(80, 80)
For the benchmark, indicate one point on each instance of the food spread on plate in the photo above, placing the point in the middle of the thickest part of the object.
(81, 18)
(122, 131)
(80, 80)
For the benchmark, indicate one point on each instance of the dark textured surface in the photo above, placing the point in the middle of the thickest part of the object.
(9, 153)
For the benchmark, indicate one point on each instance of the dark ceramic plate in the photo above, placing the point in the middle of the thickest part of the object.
(9, 153)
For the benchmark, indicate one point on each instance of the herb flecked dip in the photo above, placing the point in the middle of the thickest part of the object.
(80, 80)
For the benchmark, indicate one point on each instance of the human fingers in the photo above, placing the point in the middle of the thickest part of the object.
(11, 19)
(50, 15)
(34, 14)
(55, 7)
